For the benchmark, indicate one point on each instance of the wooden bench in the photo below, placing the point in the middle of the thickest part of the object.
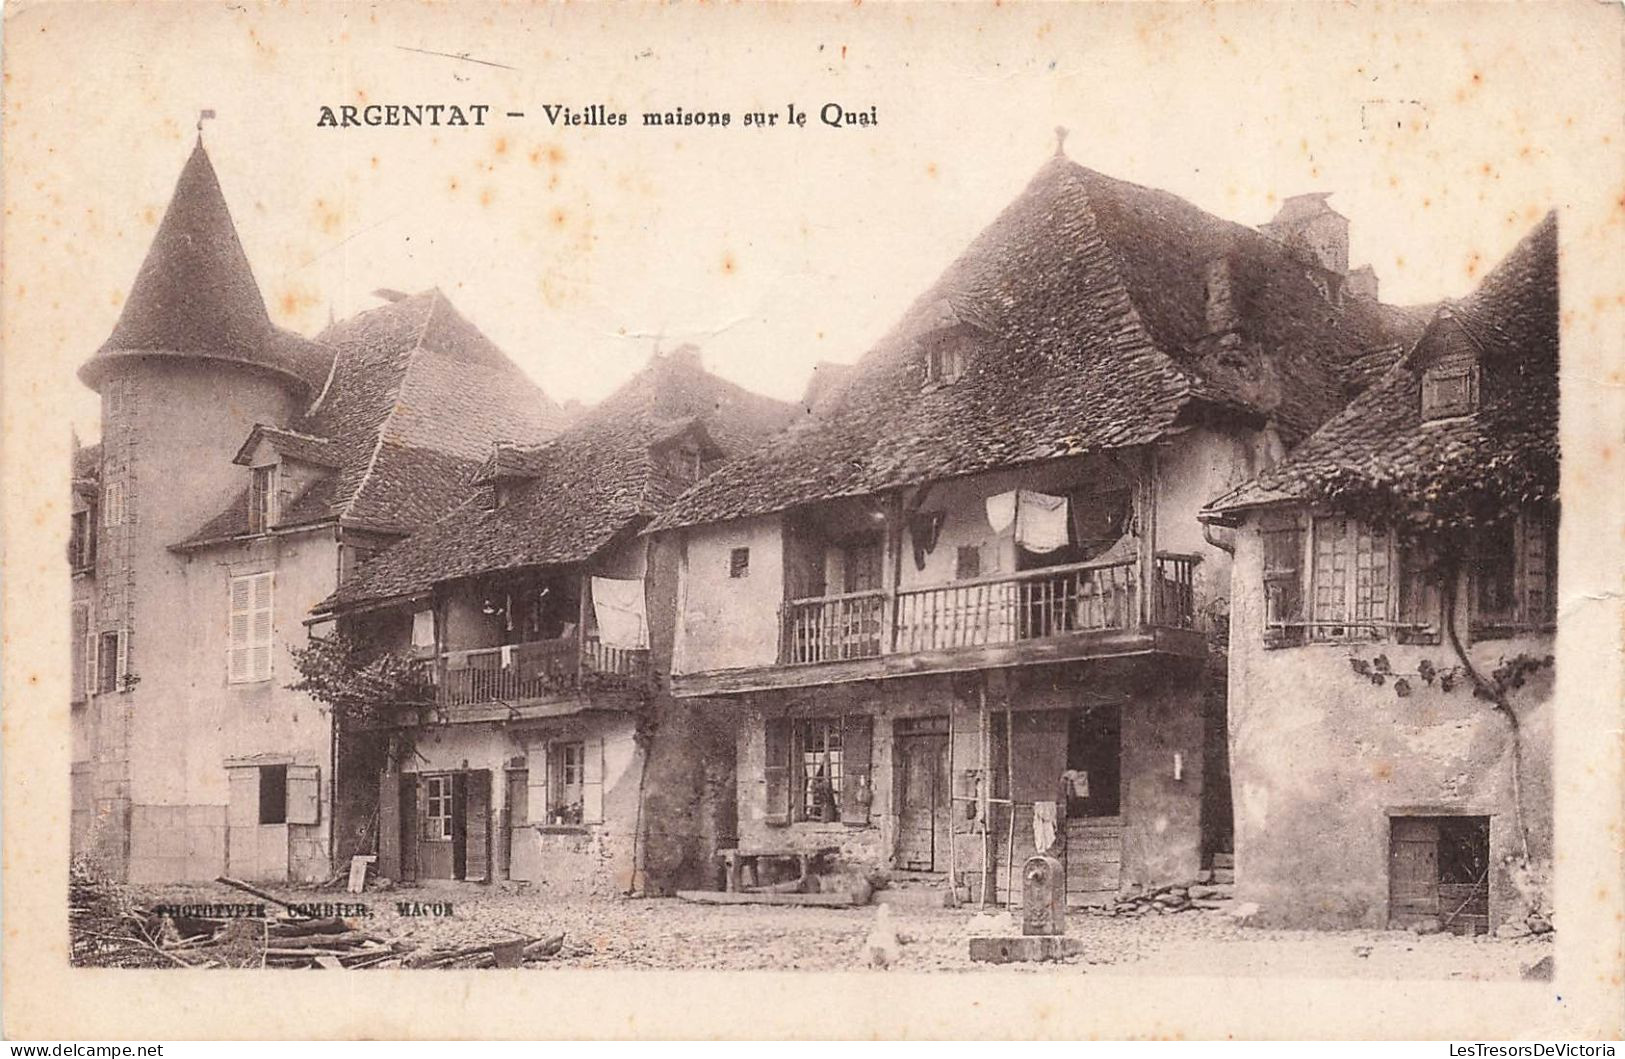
(748, 858)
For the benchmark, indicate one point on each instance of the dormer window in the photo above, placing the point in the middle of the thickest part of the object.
(685, 463)
(947, 355)
(1449, 389)
(262, 499)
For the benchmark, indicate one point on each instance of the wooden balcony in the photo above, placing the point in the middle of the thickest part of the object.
(542, 678)
(1053, 614)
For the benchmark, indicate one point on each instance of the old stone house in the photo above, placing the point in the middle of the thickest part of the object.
(1409, 539)
(966, 610)
(546, 746)
(242, 473)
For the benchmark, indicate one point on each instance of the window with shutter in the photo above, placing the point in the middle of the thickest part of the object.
(1515, 574)
(818, 763)
(1538, 577)
(1283, 585)
(274, 794)
(567, 775)
(1495, 577)
(250, 628)
(109, 661)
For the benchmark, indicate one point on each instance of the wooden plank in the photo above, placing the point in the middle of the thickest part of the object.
(719, 897)
(1068, 647)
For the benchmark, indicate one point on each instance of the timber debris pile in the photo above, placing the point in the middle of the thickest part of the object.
(111, 930)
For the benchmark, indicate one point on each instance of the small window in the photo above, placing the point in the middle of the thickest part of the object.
(437, 808)
(113, 504)
(1495, 573)
(968, 562)
(109, 661)
(1419, 615)
(1449, 389)
(567, 776)
(1514, 574)
(739, 562)
(262, 499)
(249, 629)
(273, 794)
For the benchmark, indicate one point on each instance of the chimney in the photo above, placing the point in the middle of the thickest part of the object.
(1312, 230)
(1220, 298)
(1362, 283)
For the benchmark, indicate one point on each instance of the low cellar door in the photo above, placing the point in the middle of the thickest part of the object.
(1413, 872)
(923, 796)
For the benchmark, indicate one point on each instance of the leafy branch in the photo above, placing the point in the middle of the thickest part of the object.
(362, 684)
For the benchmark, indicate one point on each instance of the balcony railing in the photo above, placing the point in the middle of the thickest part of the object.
(1032, 605)
(541, 669)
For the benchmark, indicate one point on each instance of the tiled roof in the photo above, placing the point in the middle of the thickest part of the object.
(416, 399)
(1087, 302)
(289, 444)
(1507, 448)
(195, 295)
(594, 483)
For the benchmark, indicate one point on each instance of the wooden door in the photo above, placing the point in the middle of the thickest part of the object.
(516, 816)
(923, 801)
(477, 827)
(1413, 871)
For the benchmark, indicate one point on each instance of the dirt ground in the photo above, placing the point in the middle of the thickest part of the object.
(671, 934)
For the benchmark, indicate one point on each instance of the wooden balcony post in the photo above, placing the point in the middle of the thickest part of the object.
(1146, 514)
(894, 546)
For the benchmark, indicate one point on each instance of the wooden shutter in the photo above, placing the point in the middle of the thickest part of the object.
(857, 765)
(478, 815)
(776, 770)
(1419, 597)
(243, 798)
(260, 629)
(537, 784)
(592, 781)
(80, 633)
(242, 594)
(1539, 568)
(304, 794)
(389, 822)
(122, 665)
(411, 818)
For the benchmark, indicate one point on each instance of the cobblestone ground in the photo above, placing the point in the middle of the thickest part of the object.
(672, 934)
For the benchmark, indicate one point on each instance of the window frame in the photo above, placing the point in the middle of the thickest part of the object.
(1464, 369)
(1523, 617)
(738, 563)
(263, 501)
(82, 539)
(109, 677)
(800, 780)
(438, 808)
(566, 758)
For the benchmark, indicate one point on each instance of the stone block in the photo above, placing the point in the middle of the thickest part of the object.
(1024, 948)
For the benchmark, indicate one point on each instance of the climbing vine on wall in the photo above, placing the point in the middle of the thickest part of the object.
(364, 686)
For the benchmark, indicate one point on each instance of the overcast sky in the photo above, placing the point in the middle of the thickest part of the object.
(577, 249)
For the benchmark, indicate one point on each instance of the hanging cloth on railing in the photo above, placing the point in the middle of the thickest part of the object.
(618, 606)
(1042, 521)
(1001, 511)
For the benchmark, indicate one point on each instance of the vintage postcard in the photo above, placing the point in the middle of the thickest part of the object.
(928, 520)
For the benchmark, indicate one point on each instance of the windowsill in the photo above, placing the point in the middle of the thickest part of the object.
(808, 827)
(248, 684)
(562, 829)
(1509, 630)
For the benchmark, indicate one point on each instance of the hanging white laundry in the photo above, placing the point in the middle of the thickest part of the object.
(1041, 521)
(1001, 511)
(1043, 825)
(618, 605)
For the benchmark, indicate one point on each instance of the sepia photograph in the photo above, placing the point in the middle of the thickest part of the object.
(914, 491)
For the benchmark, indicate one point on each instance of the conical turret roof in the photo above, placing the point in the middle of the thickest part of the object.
(195, 295)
